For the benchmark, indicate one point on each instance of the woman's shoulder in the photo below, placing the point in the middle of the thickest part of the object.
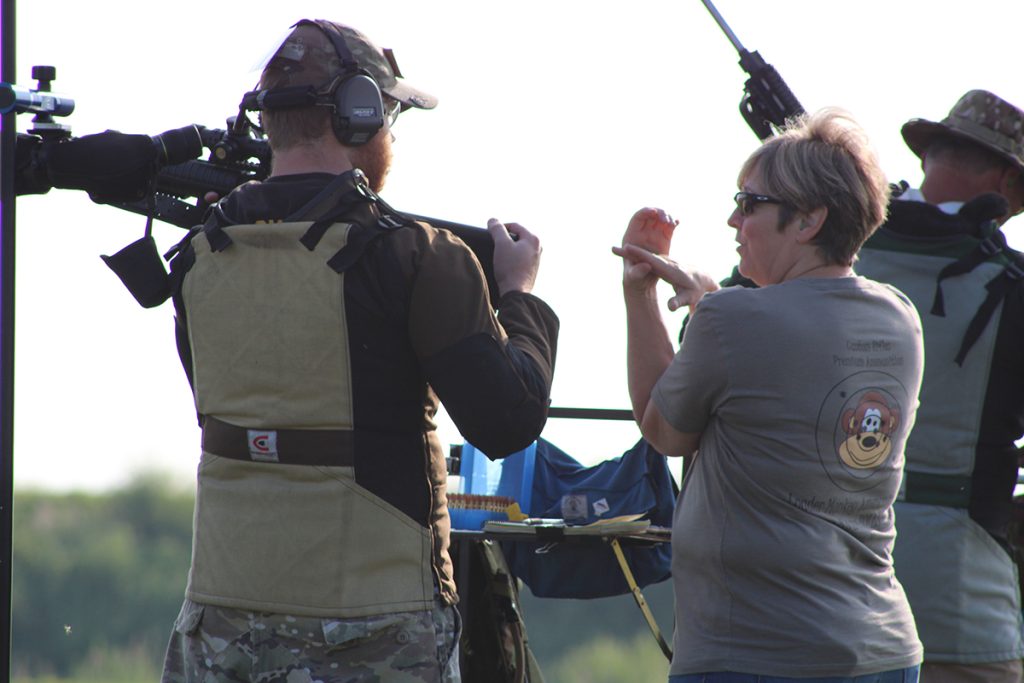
(803, 292)
(884, 290)
(737, 300)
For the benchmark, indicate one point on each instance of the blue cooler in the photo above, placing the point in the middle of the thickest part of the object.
(511, 477)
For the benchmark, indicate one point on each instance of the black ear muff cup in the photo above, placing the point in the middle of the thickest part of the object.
(358, 110)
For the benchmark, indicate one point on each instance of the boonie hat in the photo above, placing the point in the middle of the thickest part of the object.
(980, 117)
(379, 63)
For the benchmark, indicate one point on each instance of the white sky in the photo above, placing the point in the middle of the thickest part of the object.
(564, 115)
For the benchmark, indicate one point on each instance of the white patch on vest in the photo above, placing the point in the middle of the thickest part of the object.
(262, 445)
(600, 507)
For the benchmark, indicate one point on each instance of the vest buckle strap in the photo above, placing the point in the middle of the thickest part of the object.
(315, 447)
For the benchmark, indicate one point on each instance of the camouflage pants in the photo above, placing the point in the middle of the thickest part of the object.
(222, 645)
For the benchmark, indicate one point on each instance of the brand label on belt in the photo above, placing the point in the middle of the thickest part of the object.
(263, 445)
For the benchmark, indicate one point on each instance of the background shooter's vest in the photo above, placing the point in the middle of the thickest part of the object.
(961, 583)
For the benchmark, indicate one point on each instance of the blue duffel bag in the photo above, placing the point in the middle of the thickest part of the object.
(637, 482)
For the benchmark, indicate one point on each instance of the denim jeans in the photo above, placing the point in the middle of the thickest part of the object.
(908, 675)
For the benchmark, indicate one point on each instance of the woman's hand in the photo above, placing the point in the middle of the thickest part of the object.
(650, 229)
(642, 267)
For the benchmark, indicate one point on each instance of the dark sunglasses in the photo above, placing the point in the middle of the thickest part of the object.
(746, 202)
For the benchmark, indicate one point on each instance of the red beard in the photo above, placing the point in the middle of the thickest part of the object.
(374, 159)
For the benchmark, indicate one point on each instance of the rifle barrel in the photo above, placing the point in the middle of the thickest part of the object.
(725, 27)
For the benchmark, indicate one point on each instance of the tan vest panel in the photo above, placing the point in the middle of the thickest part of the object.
(266, 321)
(302, 540)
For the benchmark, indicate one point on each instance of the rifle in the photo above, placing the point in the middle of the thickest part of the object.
(767, 101)
(159, 176)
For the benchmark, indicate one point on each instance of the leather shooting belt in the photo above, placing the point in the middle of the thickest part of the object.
(322, 447)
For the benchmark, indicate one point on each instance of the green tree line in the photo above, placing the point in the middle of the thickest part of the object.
(96, 574)
(98, 579)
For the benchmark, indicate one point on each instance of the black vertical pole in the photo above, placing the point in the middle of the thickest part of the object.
(8, 140)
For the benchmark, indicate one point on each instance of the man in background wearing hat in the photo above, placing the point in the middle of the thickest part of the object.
(943, 247)
(318, 327)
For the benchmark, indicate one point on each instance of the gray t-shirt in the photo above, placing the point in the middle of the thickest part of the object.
(804, 393)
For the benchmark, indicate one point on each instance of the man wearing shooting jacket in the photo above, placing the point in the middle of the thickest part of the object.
(943, 247)
(319, 328)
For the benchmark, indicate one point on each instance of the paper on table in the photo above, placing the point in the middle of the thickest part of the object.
(622, 525)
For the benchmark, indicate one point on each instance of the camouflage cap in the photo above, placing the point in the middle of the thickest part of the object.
(982, 118)
(301, 48)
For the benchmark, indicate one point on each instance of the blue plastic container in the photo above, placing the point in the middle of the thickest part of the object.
(511, 477)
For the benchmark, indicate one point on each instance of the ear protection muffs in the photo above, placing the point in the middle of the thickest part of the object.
(358, 103)
(357, 106)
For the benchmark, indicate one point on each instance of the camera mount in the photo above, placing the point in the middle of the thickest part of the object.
(44, 103)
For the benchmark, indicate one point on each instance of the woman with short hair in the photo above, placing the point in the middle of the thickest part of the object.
(793, 401)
